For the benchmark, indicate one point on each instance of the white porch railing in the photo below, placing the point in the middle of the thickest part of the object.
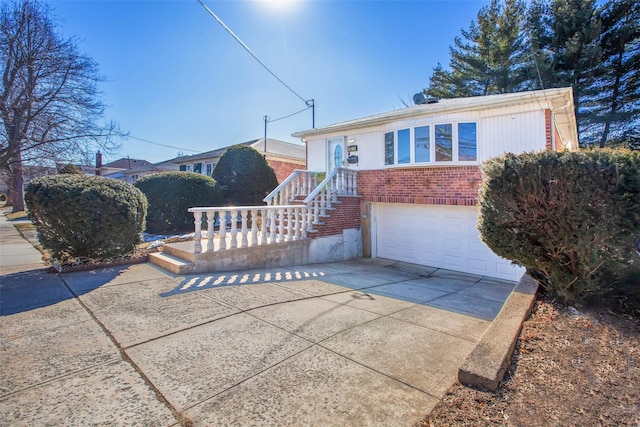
(340, 182)
(258, 225)
(299, 183)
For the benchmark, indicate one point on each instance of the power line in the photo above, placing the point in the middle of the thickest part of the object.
(163, 145)
(286, 117)
(243, 44)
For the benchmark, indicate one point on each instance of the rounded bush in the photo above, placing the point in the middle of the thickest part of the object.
(171, 194)
(571, 218)
(86, 216)
(245, 176)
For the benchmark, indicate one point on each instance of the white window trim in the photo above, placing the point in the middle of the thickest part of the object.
(432, 145)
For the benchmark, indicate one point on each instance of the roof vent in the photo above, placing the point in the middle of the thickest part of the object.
(432, 101)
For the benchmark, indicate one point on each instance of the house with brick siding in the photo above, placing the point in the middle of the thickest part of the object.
(418, 172)
(283, 157)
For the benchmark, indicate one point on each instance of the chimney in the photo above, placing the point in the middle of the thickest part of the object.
(98, 163)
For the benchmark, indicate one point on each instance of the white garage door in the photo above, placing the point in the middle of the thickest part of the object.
(437, 236)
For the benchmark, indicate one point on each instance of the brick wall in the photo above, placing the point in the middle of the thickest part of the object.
(283, 169)
(453, 185)
(547, 127)
(345, 216)
(559, 146)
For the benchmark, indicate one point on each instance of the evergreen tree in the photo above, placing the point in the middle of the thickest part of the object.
(618, 84)
(489, 58)
(576, 52)
(245, 177)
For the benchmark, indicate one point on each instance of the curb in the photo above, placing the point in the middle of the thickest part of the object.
(487, 363)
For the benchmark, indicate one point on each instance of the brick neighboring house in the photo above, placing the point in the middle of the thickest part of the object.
(284, 157)
(418, 172)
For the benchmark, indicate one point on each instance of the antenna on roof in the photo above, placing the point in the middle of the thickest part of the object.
(419, 98)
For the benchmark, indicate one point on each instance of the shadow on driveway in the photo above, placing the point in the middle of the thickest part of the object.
(33, 289)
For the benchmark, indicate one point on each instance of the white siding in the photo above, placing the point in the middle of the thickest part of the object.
(516, 129)
(513, 133)
(316, 155)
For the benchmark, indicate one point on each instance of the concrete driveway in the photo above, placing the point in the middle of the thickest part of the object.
(366, 343)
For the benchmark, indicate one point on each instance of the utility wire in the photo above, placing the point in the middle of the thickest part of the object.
(290, 115)
(163, 145)
(249, 50)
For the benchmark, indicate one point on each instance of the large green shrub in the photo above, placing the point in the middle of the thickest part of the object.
(86, 216)
(171, 194)
(572, 219)
(245, 176)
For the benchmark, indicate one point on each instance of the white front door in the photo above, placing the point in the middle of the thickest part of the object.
(335, 153)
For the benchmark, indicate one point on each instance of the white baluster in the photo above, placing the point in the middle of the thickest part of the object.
(244, 231)
(316, 210)
(296, 223)
(281, 225)
(234, 229)
(323, 202)
(222, 229)
(197, 221)
(304, 221)
(254, 227)
(210, 219)
(355, 184)
(263, 226)
(289, 235)
(273, 226)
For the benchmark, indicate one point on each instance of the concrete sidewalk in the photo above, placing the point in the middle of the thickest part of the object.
(364, 343)
(16, 253)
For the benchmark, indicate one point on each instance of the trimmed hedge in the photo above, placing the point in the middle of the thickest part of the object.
(171, 194)
(571, 218)
(245, 176)
(86, 216)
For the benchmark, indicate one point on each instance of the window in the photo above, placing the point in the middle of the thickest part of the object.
(389, 147)
(444, 143)
(434, 143)
(209, 168)
(422, 144)
(404, 146)
(197, 167)
(183, 168)
(467, 147)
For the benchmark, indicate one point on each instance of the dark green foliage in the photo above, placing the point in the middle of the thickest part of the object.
(592, 47)
(171, 194)
(490, 58)
(70, 169)
(86, 216)
(572, 219)
(244, 176)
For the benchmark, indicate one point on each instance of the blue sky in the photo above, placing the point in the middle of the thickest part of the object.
(176, 77)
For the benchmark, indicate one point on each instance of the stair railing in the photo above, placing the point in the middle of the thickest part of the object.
(340, 182)
(299, 183)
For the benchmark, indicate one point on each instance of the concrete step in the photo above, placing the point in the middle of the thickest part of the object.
(170, 263)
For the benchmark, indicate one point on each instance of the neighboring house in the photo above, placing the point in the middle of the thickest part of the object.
(132, 175)
(418, 171)
(116, 168)
(284, 157)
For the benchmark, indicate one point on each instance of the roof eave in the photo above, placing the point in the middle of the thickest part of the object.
(421, 110)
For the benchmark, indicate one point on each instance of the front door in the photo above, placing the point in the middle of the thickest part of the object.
(335, 153)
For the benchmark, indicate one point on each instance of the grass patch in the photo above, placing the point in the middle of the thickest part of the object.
(22, 227)
(16, 215)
